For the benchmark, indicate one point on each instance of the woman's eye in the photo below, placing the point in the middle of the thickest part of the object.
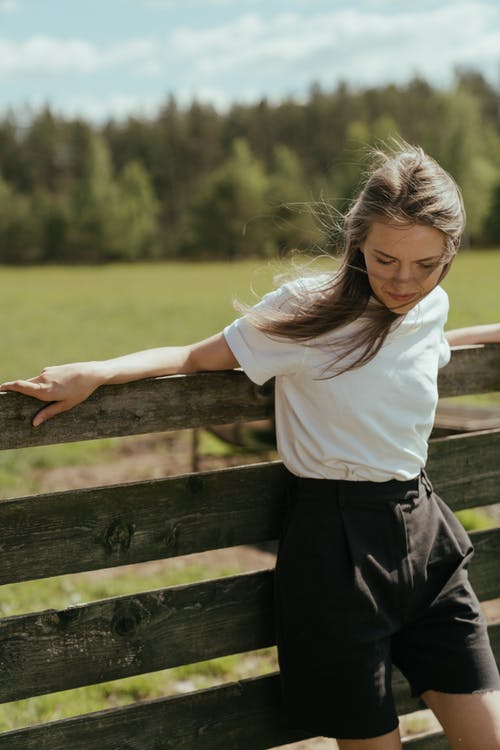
(429, 266)
(384, 262)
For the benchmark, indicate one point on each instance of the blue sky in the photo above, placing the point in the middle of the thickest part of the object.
(110, 58)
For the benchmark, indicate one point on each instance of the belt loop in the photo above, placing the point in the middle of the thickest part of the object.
(427, 483)
(411, 496)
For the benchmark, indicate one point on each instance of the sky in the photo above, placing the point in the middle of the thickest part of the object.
(104, 59)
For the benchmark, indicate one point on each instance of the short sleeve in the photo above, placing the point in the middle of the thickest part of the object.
(444, 351)
(262, 355)
(444, 347)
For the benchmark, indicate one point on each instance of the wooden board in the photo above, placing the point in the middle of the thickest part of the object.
(182, 401)
(246, 715)
(88, 529)
(123, 636)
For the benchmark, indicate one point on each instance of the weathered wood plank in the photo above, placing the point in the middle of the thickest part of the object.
(472, 369)
(485, 565)
(452, 418)
(244, 715)
(103, 527)
(87, 529)
(155, 405)
(122, 636)
(54, 650)
(465, 469)
(431, 741)
(119, 637)
(182, 401)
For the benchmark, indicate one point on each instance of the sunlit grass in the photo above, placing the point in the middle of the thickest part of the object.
(472, 285)
(60, 314)
(53, 315)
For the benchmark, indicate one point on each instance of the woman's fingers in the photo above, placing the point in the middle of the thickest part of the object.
(31, 387)
(42, 391)
(64, 385)
(50, 411)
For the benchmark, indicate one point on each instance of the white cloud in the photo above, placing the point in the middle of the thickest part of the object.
(158, 3)
(261, 51)
(172, 3)
(364, 46)
(234, 3)
(42, 54)
(151, 69)
(9, 6)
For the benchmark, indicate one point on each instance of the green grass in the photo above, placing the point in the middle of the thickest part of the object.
(79, 588)
(60, 314)
(54, 315)
(472, 285)
(473, 519)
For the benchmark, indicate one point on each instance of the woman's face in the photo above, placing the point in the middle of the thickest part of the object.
(404, 262)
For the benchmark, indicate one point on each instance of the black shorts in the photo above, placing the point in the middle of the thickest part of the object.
(371, 574)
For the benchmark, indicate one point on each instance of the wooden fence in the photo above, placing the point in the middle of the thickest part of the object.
(90, 529)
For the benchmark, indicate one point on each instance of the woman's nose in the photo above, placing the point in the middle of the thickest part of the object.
(402, 274)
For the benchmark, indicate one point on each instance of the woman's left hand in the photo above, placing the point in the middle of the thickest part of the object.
(64, 386)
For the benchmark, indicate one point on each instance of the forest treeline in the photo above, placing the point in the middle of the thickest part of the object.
(256, 180)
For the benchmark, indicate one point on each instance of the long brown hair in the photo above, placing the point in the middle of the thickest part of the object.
(403, 185)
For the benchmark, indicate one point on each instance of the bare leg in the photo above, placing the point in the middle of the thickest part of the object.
(391, 741)
(470, 721)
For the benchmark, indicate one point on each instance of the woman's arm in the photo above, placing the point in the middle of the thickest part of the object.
(68, 385)
(487, 334)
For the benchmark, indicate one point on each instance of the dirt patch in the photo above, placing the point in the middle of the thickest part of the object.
(141, 458)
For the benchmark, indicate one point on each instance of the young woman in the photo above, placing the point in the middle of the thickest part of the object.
(372, 566)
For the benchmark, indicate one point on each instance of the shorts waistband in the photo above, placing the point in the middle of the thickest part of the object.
(364, 493)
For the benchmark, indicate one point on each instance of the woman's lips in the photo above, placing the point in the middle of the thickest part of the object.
(401, 297)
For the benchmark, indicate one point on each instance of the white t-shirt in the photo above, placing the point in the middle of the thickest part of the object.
(370, 423)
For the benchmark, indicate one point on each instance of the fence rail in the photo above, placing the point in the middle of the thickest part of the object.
(103, 527)
(183, 401)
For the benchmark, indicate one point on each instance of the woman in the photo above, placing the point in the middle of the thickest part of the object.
(372, 567)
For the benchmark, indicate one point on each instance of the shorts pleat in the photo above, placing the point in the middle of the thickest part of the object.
(371, 575)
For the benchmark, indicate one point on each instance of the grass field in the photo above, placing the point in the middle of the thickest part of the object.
(54, 315)
(58, 314)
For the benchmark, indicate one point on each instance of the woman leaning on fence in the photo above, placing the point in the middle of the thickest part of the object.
(372, 565)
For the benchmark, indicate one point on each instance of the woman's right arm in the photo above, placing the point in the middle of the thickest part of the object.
(483, 334)
(66, 386)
